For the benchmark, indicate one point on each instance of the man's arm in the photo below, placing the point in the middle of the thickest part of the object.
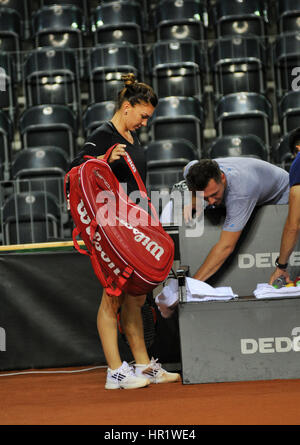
(290, 232)
(218, 254)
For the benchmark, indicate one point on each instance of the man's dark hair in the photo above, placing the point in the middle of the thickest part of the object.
(201, 173)
(294, 140)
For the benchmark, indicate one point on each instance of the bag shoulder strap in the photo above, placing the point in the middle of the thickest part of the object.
(136, 175)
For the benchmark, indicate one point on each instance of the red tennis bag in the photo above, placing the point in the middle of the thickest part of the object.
(129, 250)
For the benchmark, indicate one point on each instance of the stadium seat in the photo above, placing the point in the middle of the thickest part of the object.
(52, 125)
(60, 26)
(180, 19)
(6, 137)
(30, 217)
(22, 9)
(281, 153)
(8, 79)
(169, 152)
(286, 56)
(80, 4)
(181, 117)
(289, 111)
(238, 145)
(238, 64)
(240, 17)
(178, 68)
(11, 32)
(51, 76)
(162, 179)
(116, 22)
(106, 64)
(165, 162)
(96, 114)
(244, 113)
(288, 15)
(41, 169)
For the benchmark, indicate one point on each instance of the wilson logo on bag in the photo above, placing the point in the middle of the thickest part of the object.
(129, 249)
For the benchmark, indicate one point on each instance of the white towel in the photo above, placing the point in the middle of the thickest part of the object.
(196, 291)
(265, 290)
(201, 291)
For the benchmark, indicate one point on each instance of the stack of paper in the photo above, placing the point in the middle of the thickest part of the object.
(265, 290)
(196, 291)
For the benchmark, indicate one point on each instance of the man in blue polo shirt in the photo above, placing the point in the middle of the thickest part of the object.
(291, 229)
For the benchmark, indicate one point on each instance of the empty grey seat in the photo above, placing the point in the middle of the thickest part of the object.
(180, 19)
(22, 9)
(281, 153)
(30, 217)
(165, 162)
(238, 64)
(289, 111)
(288, 15)
(11, 33)
(178, 68)
(169, 152)
(60, 26)
(238, 145)
(181, 117)
(40, 169)
(286, 56)
(49, 124)
(240, 17)
(10, 30)
(51, 76)
(106, 64)
(115, 22)
(96, 114)
(81, 4)
(244, 113)
(162, 180)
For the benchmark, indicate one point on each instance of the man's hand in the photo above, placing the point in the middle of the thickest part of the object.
(279, 272)
(290, 232)
(217, 255)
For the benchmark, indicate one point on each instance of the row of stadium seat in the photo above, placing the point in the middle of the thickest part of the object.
(53, 76)
(181, 116)
(244, 113)
(168, 18)
(284, 48)
(34, 210)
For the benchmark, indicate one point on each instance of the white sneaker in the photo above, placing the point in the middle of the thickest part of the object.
(124, 378)
(156, 373)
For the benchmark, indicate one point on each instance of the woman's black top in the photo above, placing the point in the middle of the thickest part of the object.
(101, 140)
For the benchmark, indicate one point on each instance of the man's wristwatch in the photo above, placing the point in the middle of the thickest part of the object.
(280, 266)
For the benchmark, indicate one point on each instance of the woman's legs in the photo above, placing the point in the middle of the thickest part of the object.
(132, 323)
(107, 328)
